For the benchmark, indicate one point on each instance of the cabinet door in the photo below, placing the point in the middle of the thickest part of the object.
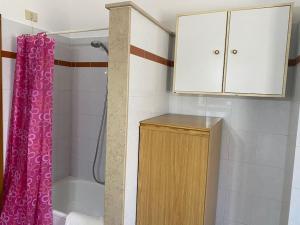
(172, 176)
(200, 47)
(257, 51)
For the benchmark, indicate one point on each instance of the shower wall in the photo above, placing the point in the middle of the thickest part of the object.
(79, 91)
(62, 105)
(78, 106)
(88, 95)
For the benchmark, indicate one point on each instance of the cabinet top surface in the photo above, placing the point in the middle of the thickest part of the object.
(183, 121)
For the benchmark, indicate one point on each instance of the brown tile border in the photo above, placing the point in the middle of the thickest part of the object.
(99, 64)
(133, 50)
(150, 56)
(13, 55)
(62, 63)
(7, 54)
(295, 61)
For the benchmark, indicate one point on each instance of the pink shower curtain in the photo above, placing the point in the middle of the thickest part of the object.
(27, 180)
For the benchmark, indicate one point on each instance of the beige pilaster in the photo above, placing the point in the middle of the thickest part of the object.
(118, 76)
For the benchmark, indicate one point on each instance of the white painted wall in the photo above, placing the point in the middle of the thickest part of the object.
(56, 15)
(53, 15)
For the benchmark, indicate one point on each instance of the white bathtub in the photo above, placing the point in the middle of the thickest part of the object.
(75, 195)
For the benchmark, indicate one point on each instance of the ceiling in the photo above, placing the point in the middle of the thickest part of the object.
(91, 13)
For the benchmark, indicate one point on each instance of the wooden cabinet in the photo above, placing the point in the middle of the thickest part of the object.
(178, 170)
(236, 52)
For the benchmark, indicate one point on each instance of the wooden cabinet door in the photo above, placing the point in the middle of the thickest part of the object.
(172, 176)
(257, 51)
(200, 49)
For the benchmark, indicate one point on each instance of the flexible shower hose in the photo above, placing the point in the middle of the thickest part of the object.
(100, 140)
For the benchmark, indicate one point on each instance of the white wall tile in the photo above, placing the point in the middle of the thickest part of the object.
(62, 126)
(88, 97)
(254, 151)
(82, 51)
(63, 78)
(10, 31)
(228, 222)
(249, 210)
(147, 82)
(61, 161)
(148, 36)
(266, 212)
(5, 138)
(294, 218)
(296, 175)
(62, 49)
(87, 126)
(239, 208)
(256, 180)
(89, 79)
(185, 104)
(272, 150)
(88, 102)
(255, 115)
(243, 146)
(298, 134)
(8, 69)
(6, 95)
(221, 206)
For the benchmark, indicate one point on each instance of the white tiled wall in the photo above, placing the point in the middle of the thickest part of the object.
(294, 216)
(148, 97)
(8, 75)
(253, 155)
(88, 96)
(256, 154)
(62, 105)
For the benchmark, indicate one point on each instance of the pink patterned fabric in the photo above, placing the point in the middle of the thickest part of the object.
(28, 175)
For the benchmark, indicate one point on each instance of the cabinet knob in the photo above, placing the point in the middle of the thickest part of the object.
(217, 52)
(234, 51)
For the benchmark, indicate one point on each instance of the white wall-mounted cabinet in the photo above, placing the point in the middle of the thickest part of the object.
(237, 52)
(201, 52)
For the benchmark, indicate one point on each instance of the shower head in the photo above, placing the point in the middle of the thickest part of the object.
(98, 44)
